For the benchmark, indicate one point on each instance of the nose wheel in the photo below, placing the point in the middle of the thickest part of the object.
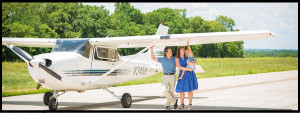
(50, 99)
(47, 97)
(53, 103)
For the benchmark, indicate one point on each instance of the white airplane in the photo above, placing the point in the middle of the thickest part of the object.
(93, 63)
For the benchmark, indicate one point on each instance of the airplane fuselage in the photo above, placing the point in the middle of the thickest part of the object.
(76, 65)
(77, 72)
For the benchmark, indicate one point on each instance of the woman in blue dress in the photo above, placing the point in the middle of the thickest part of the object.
(189, 82)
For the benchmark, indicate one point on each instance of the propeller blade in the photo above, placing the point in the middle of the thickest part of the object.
(27, 58)
(52, 73)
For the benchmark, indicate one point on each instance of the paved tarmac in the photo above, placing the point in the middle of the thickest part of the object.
(265, 91)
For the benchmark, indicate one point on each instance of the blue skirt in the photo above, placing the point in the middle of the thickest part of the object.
(187, 83)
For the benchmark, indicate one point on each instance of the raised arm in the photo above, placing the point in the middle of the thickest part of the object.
(190, 50)
(152, 55)
(180, 67)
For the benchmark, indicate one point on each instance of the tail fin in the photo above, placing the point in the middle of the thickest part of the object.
(162, 30)
(159, 50)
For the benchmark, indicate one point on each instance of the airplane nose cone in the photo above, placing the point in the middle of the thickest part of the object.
(36, 62)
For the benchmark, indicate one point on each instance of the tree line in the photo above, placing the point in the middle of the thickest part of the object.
(70, 20)
(270, 53)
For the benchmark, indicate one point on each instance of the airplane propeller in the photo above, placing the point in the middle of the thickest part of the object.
(33, 62)
(55, 75)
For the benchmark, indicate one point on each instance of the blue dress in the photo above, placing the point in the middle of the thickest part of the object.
(189, 80)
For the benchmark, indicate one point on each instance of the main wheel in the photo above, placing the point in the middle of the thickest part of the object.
(47, 96)
(53, 103)
(126, 100)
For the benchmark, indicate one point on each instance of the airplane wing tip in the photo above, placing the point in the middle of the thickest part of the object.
(273, 34)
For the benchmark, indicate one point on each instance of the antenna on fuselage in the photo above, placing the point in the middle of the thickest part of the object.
(108, 34)
(78, 35)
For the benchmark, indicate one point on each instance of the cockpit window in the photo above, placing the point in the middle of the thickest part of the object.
(79, 46)
(106, 54)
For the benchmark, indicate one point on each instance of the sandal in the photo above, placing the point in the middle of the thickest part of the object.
(181, 107)
(189, 107)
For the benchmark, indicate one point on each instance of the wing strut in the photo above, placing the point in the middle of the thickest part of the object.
(111, 70)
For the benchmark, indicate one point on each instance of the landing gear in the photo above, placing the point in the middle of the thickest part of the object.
(126, 99)
(47, 97)
(53, 103)
(50, 99)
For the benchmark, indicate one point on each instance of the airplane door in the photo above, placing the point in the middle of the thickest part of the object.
(104, 59)
(113, 57)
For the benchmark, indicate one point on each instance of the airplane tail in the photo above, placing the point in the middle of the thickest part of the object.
(162, 30)
(159, 50)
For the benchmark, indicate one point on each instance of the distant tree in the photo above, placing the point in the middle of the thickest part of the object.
(230, 49)
(226, 21)
(271, 53)
(90, 22)
(70, 20)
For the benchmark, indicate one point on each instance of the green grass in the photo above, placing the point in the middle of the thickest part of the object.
(218, 67)
(17, 81)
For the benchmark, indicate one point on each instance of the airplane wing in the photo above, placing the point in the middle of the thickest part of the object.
(162, 38)
(29, 42)
(181, 39)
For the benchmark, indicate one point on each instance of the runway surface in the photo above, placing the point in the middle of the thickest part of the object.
(265, 91)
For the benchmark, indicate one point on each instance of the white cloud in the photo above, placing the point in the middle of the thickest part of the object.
(191, 7)
(109, 6)
(208, 14)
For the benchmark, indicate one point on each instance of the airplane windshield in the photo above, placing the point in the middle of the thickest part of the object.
(77, 46)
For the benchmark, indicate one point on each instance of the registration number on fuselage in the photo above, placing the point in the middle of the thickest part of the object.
(139, 70)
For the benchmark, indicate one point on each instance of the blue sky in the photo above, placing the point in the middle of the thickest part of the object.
(280, 18)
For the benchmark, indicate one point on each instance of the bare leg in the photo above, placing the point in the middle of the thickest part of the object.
(182, 96)
(190, 98)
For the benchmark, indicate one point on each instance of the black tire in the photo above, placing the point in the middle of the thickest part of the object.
(126, 100)
(47, 96)
(53, 104)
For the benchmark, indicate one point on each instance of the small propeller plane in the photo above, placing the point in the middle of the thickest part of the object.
(81, 64)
